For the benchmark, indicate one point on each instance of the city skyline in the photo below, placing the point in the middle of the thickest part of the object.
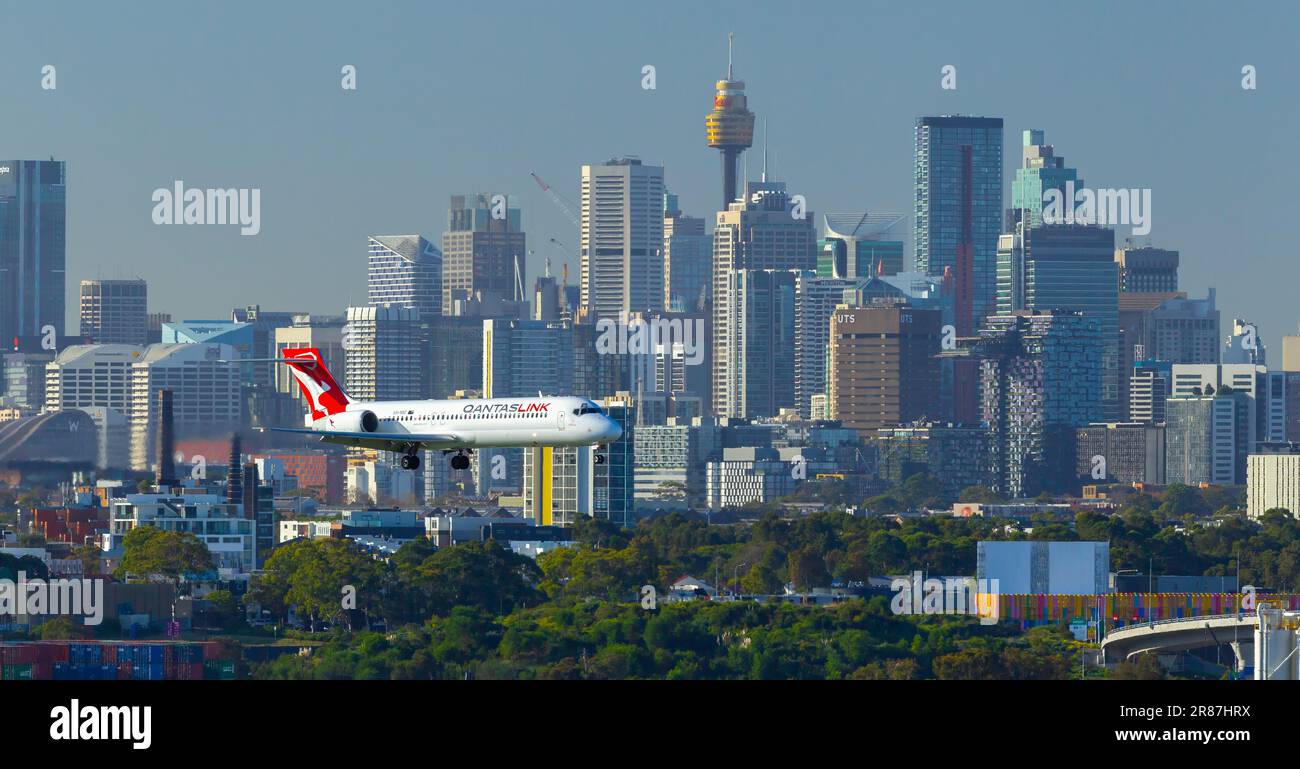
(331, 175)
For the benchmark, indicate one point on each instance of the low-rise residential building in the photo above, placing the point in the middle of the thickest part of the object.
(230, 537)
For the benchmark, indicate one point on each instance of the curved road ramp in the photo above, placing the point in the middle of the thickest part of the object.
(1268, 639)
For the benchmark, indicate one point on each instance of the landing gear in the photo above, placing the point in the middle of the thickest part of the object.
(460, 461)
(410, 462)
(600, 458)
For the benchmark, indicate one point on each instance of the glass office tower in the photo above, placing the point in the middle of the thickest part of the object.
(958, 206)
(32, 248)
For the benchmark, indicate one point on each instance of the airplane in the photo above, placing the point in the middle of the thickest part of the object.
(458, 426)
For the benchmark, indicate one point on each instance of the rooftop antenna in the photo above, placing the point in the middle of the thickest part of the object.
(730, 41)
(765, 150)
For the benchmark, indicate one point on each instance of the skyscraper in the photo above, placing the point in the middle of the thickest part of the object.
(958, 208)
(757, 344)
(883, 370)
(622, 239)
(761, 232)
(1207, 438)
(382, 349)
(1040, 170)
(815, 299)
(688, 259)
(483, 239)
(1067, 267)
(33, 215)
(114, 311)
(405, 271)
(958, 217)
(1040, 378)
(729, 127)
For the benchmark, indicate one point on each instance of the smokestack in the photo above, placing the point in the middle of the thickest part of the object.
(251, 481)
(235, 472)
(166, 464)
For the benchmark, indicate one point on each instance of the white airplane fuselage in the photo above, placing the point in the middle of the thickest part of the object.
(470, 424)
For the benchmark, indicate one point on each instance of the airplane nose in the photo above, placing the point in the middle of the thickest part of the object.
(612, 431)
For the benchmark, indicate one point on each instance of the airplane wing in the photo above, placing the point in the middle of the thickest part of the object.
(381, 437)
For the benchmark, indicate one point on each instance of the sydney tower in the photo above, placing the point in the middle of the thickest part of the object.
(730, 127)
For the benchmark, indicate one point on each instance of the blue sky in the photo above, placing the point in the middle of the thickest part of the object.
(468, 96)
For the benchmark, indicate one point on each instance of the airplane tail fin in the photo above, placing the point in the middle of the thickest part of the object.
(324, 395)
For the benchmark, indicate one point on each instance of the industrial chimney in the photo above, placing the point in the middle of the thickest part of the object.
(166, 463)
(235, 472)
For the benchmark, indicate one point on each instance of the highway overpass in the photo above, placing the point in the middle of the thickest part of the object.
(1173, 636)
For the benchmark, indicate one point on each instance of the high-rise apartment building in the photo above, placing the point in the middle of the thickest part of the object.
(382, 348)
(1066, 267)
(622, 239)
(405, 271)
(1040, 378)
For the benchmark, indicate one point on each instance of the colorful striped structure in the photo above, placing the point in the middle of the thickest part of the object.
(1121, 609)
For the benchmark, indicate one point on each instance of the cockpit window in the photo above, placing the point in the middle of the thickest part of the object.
(588, 408)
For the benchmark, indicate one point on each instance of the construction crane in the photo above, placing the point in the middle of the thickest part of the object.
(555, 197)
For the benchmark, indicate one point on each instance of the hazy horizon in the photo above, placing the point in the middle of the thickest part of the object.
(461, 99)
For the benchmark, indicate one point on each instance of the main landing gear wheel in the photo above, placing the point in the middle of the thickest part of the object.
(460, 462)
(410, 461)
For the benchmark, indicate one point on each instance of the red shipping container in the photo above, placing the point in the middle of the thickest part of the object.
(42, 671)
(52, 652)
(124, 671)
(110, 653)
